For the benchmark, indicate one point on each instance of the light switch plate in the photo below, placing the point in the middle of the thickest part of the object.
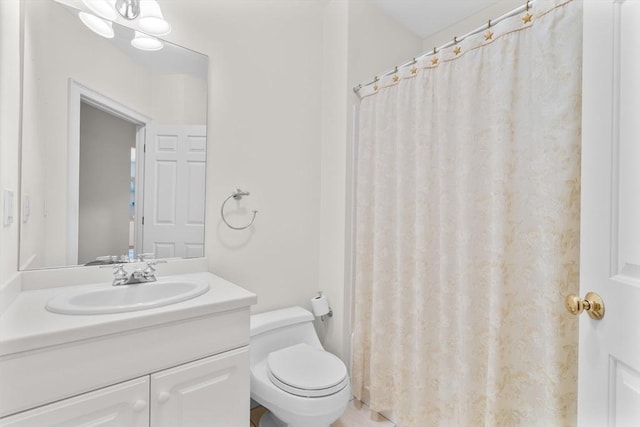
(7, 210)
(26, 208)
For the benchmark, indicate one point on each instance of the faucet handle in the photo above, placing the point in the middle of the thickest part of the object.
(150, 271)
(120, 271)
(120, 275)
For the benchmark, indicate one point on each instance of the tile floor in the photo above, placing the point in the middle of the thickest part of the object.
(356, 415)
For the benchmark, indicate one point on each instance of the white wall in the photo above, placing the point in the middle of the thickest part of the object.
(264, 137)
(376, 42)
(470, 23)
(178, 99)
(280, 103)
(9, 130)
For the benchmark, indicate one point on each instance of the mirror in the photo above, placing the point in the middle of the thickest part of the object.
(113, 144)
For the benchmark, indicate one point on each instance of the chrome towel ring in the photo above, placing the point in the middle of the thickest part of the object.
(236, 195)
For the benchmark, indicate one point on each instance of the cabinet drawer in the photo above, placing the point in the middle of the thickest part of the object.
(120, 405)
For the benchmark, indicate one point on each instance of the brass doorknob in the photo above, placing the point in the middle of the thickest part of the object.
(592, 303)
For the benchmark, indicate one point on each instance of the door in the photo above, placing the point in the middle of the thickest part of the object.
(120, 405)
(174, 191)
(208, 392)
(609, 354)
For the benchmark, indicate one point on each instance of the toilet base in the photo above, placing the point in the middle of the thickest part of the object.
(268, 420)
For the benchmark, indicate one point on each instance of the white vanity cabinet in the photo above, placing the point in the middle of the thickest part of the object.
(184, 364)
(209, 392)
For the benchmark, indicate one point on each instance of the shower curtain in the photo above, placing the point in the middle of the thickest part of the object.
(467, 229)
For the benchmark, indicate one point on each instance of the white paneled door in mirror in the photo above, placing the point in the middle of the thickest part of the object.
(174, 191)
(609, 361)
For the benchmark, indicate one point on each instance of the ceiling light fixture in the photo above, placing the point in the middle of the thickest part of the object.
(147, 12)
(97, 25)
(151, 20)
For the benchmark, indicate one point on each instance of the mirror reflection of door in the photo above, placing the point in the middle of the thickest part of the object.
(106, 211)
(174, 197)
(121, 155)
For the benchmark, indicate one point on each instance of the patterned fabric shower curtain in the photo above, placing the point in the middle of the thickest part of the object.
(467, 230)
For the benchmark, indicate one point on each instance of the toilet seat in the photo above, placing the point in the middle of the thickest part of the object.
(306, 371)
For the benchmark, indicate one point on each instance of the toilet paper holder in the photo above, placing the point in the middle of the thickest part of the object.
(321, 307)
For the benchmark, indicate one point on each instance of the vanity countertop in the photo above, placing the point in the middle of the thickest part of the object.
(28, 325)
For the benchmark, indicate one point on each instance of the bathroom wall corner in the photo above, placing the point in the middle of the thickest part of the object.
(333, 176)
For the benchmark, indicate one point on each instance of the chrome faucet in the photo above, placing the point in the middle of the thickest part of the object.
(122, 277)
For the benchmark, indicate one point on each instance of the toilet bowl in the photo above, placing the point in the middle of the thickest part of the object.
(300, 383)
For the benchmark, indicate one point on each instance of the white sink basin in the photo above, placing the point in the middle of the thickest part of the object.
(118, 299)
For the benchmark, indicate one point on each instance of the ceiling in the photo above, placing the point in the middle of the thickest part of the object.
(426, 17)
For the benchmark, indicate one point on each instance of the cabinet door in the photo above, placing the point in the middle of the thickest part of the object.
(209, 392)
(120, 405)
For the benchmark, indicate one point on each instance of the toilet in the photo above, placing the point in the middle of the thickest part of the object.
(300, 383)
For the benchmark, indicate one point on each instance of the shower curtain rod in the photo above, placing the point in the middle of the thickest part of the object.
(455, 40)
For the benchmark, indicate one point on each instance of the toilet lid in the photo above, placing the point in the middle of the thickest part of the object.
(307, 371)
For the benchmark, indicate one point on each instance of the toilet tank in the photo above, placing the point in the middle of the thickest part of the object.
(273, 330)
